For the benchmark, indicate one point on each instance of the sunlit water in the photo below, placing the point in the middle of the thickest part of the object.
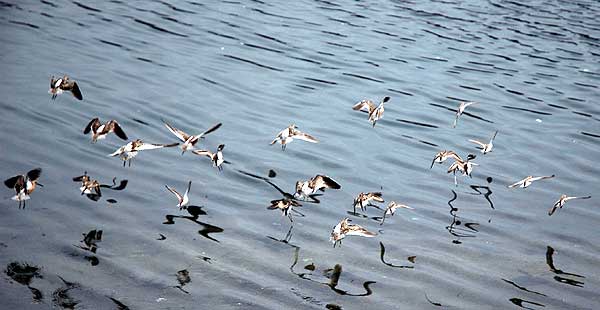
(532, 67)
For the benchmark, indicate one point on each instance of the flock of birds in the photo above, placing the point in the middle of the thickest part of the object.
(24, 185)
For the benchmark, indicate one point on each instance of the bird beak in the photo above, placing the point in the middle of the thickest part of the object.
(40, 184)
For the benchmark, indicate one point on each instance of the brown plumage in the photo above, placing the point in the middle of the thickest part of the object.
(100, 131)
(58, 85)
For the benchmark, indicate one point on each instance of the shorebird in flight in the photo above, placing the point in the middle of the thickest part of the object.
(461, 109)
(464, 166)
(285, 205)
(391, 209)
(100, 131)
(24, 185)
(375, 113)
(182, 201)
(485, 147)
(364, 199)
(216, 157)
(289, 134)
(562, 200)
(343, 229)
(128, 151)
(57, 86)
(528, 180)
(319, 182)
(189, 141)
(443, 155)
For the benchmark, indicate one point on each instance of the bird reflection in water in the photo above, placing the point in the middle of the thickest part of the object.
(561, 279)
(332, 274)
(286, 239)
(183, 277)
(522, 303)
(382, 254)
(457, 228)
(195, 212)
(488, 191)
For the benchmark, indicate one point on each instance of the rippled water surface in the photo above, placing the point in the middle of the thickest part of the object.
(533, 67)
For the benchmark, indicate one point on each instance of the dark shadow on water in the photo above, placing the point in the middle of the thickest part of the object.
(522, 303)
(195, 212)
(382, 254)
(457, 228)
(61, 298)
(24, 273)
(488, 191)
(332, 274)
(119, 304)
(559, 278)
(183, 277)
(522, 287)
(286, 239)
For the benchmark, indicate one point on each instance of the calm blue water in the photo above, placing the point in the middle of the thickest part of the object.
(533, 67)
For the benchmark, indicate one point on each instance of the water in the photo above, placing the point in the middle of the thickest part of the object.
(533, 68)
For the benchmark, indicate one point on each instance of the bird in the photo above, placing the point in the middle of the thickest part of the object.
(464, 166)
(561, 202)
(364, 199)
(182, 201)
(485, 147)
(128, 151)
(217, 157)
(189, 141)
(100, 131)
(88, 184)
(318, 182)
(285, 205)
(391, 209)
(57, 86)
(528, 180)
(375, 113)
(24, 185)
(461, 109)
(343, 229)
(441, 157)
(289, 134)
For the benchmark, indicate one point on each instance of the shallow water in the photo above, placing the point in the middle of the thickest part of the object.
(533, 68)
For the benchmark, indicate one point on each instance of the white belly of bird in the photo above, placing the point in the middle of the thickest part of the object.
(21, 196)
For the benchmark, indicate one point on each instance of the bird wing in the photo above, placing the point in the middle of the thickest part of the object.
(517, 183)
(376, 196)
(355, 230)
(92, 125)
(477, 142)
(34, 174)
(11, 182)
(494, 136)
(153, 146)
(187, 191)
(119, 150)
(364, 105)
(325, 181)
(172, 190)
(554, 207)
(75, 91)
(211, 129)
(304, 136)
(203, 153)
(541, 178)
(117, 129)
(178, 133)
(585, 197)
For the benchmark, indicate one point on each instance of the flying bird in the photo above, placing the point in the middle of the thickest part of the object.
(528, 180)
(189, 141)
(561, 202)
(24, 185)
(375, 113)
(461, 109)
(343, 229)
(289, 134)
(182, 201)
(216, 157)
(130, 150)
(57, 86)
(485, 147)
(100, 131)
(319, 182)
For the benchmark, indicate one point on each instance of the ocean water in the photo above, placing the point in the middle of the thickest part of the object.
(258, 66)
